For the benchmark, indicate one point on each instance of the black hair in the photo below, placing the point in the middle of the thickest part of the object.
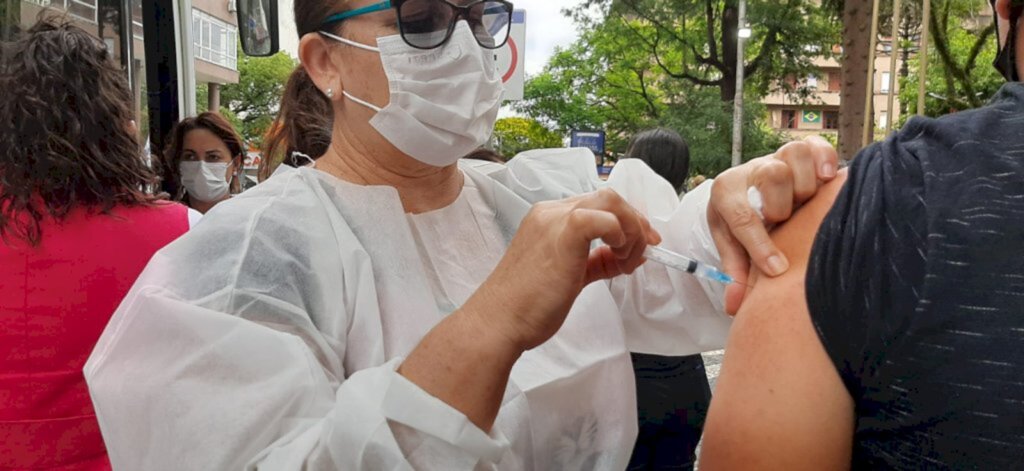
(665, 151)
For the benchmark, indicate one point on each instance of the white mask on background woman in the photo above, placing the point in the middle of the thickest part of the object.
(205, 181)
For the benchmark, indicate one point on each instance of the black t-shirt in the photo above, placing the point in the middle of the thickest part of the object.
(916, 289)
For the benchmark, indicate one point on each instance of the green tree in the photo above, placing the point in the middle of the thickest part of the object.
(253, 102)
(515, 135)
(960, 77)
(606, 81)
(695, 41)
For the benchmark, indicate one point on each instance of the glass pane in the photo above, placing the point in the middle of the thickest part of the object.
(83, 10)
(256, 27)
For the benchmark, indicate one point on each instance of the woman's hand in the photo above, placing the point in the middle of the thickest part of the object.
(786, 180)
(550, 261)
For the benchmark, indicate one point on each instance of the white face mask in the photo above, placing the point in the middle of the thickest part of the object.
(444, 101)
(205, 181)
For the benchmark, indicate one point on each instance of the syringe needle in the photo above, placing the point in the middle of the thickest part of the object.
(688, 265)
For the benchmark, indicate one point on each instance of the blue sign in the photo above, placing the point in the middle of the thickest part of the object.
(593, 140)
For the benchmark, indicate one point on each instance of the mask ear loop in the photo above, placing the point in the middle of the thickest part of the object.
(297, 156)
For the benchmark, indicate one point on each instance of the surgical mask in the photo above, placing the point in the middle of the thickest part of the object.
(444, 101)
(205, 181)
(1006, 59)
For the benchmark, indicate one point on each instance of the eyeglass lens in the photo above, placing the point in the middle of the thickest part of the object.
(427, 24)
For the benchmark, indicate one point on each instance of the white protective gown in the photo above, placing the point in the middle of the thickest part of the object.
(269, 336)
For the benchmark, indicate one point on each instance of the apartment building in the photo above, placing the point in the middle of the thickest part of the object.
(214, 29)
(818, 113)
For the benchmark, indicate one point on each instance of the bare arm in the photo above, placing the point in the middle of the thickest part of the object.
(780, 403)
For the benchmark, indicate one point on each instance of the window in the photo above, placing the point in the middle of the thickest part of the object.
(831, 120)
(215, 40)
(886, 77)
(137, 26)
(883, 120)
(835, 81)
(812, 82)
(84, 9)
(788, 119)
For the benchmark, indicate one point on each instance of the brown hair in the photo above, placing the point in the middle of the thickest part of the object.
(209, 121)
(304, 121)
(65, 138)
(485, 154)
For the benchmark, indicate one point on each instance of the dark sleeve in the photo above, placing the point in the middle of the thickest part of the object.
(867, 262)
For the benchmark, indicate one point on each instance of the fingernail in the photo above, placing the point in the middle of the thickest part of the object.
(828, 170)
(777, 264)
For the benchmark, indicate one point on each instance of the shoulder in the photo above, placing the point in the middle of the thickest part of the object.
(281, 217)
(977, 135)
(779, 403)
(550, 174)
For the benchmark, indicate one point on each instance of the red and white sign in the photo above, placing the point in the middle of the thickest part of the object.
(511, 57)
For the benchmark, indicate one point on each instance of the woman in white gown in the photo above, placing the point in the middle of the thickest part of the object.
(393, 309)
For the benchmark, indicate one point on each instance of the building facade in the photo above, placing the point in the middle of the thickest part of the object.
(818, 113)
(214, 29)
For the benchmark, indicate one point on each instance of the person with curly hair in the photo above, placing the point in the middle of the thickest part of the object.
(76, 229)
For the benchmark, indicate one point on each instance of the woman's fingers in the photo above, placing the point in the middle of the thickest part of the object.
(799, 158)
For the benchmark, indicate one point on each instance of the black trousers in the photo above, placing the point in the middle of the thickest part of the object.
(672, 402)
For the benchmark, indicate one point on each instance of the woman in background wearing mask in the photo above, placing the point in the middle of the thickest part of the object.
(389, 308)
(205, 157)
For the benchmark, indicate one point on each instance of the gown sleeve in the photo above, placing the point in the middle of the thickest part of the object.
(665, 311)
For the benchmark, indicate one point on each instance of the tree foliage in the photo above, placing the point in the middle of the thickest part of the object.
(253, 102)
(640, 64)
(960, 76)
(515, 135)
(696, 40)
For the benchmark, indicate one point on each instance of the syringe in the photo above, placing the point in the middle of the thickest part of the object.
(686, 264)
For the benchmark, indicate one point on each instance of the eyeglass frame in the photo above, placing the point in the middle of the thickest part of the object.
(460, 12)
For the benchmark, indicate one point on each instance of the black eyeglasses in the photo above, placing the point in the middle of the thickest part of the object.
(427, 24)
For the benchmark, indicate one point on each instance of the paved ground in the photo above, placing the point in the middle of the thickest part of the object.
(712, 364)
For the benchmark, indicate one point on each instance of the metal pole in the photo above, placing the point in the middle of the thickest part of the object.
(923, 70)
(737, 116)
(894, 42)
(868, 128)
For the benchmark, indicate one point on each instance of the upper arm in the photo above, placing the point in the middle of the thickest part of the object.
(779, 402)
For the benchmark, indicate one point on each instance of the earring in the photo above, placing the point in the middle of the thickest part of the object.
(330, 93)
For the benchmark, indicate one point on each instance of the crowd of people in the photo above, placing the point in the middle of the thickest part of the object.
(394, 296)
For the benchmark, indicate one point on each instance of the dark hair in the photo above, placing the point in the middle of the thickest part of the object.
(484, 153)
(665, 151)
(209, 121)
(65, 137)
(304, 121)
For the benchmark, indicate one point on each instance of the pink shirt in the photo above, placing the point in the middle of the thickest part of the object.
(55, 300)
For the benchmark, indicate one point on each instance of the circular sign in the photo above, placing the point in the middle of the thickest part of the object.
(506, 60)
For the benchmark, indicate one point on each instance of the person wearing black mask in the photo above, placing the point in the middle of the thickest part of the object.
(897, 339)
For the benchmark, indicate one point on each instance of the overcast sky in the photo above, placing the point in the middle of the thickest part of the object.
(546, 28)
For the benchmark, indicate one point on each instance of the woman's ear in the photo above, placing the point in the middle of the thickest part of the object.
(316, 56)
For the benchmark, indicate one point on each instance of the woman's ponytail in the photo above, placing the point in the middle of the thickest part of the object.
(302, 125)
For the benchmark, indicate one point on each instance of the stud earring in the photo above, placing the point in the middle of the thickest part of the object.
(330, 93)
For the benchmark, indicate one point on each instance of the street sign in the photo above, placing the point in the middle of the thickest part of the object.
(510, 58)
(593, 140)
